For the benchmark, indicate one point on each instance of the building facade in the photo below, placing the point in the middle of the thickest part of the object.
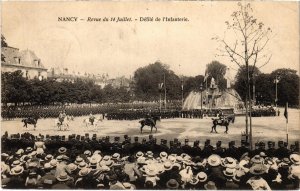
(31, 66)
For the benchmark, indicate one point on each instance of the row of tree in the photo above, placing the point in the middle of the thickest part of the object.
(149, 84)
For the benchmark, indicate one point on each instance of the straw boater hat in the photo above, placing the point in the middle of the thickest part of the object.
(71, 167)
(53, 163)
(228, 162)
(59, 158)
(149, 154)
(229, 172)
(62, 150)
(214, 160)
(194, 180)
(257, 159)
(237, 175)
(105, 168)
(210, 186)
(141, 160)
(168, 165)
(151, 170)
(115, 156)
(202, 176)
(48, 157)
(172, 184)
(47, 165)
(257, 169)
(84, 171)
(106, 158)
(16, 163)
(78, 160)
(17, 170)
(163, 155)
(63, 176)
(29, 149)
(128, 186)
(139, 154)
(93, 161)
(82, 165)
(172, 158)
(87, 152)
(295, 158)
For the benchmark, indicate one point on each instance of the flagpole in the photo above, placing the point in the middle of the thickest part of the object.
(165, 91)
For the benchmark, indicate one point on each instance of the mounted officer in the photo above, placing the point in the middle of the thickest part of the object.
(91, 118)
(62, 116)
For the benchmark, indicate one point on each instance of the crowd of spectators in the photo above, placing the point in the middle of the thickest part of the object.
(51, 162)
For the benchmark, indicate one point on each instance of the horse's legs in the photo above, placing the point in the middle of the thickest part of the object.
(151, 129)
(226, 128)
(142, 129)
(155, 129)
(212, 129)
(215, 127)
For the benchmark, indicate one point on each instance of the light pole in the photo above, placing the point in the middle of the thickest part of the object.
(182, 93)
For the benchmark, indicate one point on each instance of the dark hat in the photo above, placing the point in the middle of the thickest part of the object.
(136, 138)
(125, 136)
(210, 186)
(172, 184)
(219, 143)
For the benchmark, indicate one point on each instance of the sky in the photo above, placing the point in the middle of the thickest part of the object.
(120, 48)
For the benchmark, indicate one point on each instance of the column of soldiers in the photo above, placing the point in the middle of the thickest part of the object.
(77, 144)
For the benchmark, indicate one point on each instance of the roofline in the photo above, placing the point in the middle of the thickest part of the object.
(22, 66)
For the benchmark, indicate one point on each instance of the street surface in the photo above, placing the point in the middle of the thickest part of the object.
(264, 128)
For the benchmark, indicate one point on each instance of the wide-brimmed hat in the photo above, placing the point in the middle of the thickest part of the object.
(17, 170)
(87, 152)
(62, 150)
(139, 154)
(106, 158)
(141, 160)
(163, 154)
(82, 165)
(257, 159)
(168, 165)
(93, 161)
(63, 176)
(19, 152)
(47, 165)
(229, 172)
(53, 162)
(32, 164)
(104, 168)
(78, 160)
(28, 149)
(295, 158)
(59, 158)
(84, 171)
(194, 180)
(202, 176)
(262, 154)
(128, 186)
(49, 157)
(172, 184)
(151, 170)
(115, 156)
(228, 162)
(172, 158)
(237, 175)
(149, 154)
(210, 186)
(16, 163)
(71, 167)
(97, 152)
(258, 169)
(214, 160)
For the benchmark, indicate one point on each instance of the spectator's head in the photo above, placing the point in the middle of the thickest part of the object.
(228, 162)
(63, 177)
(84, 172)
(219, 143)
(196, 143)
(238, 175)
(71, 167)
(116, 156)
(149, 154)
(257, 159)
(295, 158)
(15, 163)
(49, 157)
(136, 139)
(172, 184)
(270, 145)
(139, 154)
(229, 173)
(17, 170)
(210, 186)
(202, 176)
(78, 160)
(168, 166)
(87, 153)
(214, 160)
(62, 150)
(258, 169)
(280, 144)
(207, 142)
(93, 163)
(82, 165)
(149, 185)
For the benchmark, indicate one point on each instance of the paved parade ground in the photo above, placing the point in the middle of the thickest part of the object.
(264, 128)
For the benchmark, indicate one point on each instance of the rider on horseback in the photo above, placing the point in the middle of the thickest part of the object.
(62, 116)
(221, 116)
(92, 119)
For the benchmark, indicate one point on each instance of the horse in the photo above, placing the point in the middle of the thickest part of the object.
(222, 122)
(151, 121)
(87, 121)
(31, 121)
(63, 122)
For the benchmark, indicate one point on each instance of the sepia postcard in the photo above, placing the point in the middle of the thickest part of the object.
(169, 95)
